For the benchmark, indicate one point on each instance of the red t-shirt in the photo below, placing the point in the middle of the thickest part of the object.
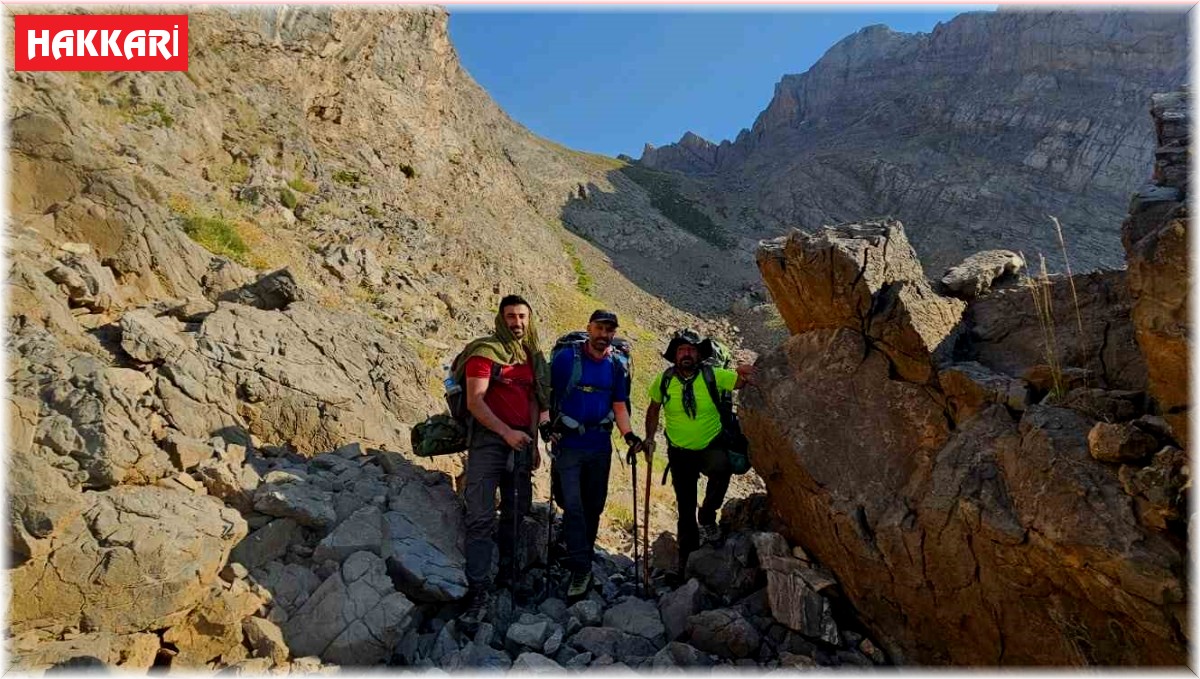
(510, 395)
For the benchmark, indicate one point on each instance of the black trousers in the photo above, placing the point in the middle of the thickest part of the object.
(492, 466)
(582, 491)
(686, 468)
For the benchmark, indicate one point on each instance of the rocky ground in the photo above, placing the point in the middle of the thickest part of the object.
(354, 557)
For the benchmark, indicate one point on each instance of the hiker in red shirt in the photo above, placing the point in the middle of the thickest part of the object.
(507, 386)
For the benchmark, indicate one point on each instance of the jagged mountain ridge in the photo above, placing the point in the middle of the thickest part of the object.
(971, 134)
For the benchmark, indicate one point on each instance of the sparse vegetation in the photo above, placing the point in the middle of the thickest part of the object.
(158, 115)
(180, 205)
(300, 185)
(619, 514)
(288, 199)
(372, 211)
(1071, 279)
(348, 178)
(366, 295)
(583, 280)
(1039, 288)
(408, 170)
(666, 198)
(218, 236)
(237, 172)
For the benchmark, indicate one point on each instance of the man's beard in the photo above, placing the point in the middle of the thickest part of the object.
(599, 345)
(687, 362)
(517, 332)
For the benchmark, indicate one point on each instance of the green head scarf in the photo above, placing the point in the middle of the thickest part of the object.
(503, 348)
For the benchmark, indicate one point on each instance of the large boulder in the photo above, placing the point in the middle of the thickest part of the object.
(134, 558)
(792, 592)
(306, 376)
(92, 423)
(637, 616)
(214, 627)
(35, 652)
(676, 607)
(863, 277)
(1156, 248)
(723, 632)
(931, 501)
(355, 617)
(425, 534)
(975, 275)
(1007, 334)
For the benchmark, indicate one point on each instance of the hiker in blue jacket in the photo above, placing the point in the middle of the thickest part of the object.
(586, 412)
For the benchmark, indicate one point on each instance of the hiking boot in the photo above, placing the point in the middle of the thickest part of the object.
(710, 533)
(579, 585)
(504, 572)
(476, 613)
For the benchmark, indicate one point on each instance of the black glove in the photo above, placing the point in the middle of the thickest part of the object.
(635, 445)
(544, 430)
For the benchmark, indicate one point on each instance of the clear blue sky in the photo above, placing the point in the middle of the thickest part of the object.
(609, 81)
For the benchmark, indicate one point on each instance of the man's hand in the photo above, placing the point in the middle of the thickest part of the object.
(746, 373)
(635, 445)
(648, 447)
(517, 439)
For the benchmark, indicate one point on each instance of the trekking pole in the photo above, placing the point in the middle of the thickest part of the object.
(646, 526)
(520, 460)
(637, 575)
(550, 522)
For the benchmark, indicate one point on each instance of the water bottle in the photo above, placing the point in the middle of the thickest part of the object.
(452, 387)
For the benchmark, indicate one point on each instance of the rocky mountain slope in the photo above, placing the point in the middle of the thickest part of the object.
(217, 274)
(1010, 471)
(231, 292)
(971, 135)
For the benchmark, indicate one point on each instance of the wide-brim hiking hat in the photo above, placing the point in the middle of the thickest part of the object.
(688, 337)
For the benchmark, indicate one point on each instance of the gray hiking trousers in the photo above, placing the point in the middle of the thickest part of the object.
(492, 466)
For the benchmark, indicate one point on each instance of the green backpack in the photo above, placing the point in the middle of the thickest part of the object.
(448, 432)
(439, 434)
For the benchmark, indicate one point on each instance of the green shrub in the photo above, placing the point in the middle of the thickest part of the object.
(154, 113)
(348, 177)
(583, 280)
(288, 199)
(301, 186)
(217, 236)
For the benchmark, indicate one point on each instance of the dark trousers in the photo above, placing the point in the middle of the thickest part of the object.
(583, 489)
(492, 466)
(686, 468)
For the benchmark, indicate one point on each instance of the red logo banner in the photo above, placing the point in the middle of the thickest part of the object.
(101, 42)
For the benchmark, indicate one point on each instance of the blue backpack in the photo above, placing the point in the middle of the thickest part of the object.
(573, 342)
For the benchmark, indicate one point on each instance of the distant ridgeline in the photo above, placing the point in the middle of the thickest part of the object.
(971, 135)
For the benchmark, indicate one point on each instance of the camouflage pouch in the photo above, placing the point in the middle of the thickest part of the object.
(440, 434)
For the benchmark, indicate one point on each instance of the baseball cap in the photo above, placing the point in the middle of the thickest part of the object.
(604, 316)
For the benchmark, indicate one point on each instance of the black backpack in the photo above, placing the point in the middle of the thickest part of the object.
(731, 438)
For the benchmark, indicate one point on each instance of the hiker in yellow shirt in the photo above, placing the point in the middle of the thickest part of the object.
(687, 394)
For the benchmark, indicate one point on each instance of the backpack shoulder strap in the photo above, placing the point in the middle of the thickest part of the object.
(710, 381)
(662, 384)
